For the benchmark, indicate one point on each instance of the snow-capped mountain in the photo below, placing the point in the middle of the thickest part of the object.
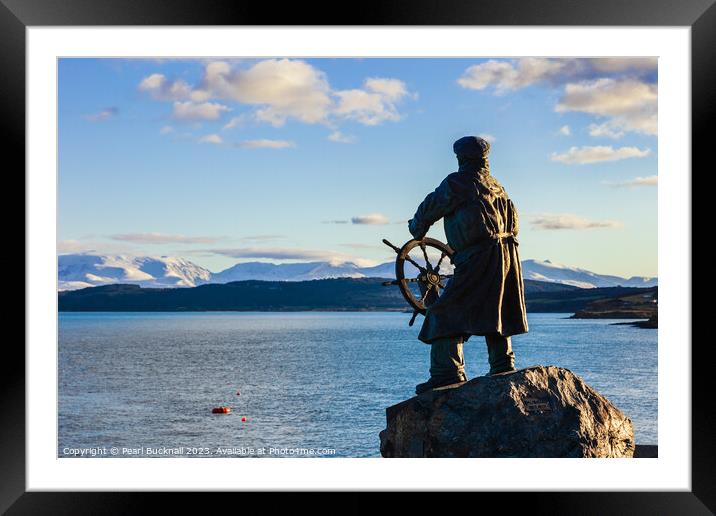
(556, 273)
(87, 270)
(305, 271)
(287, 272)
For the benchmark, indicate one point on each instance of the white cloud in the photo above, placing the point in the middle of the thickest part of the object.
(624, 64)
(166, 129)
(92, 246)
(488, 137)
(565, 130)
(266, 144)
(370, 219)
(374, 104)
(585, 155)
(629, 104)
(364, 107)
(339, 137)
(235, 122)
(198, 111)
(262, 238)
(160, 88)
(570, 221)
(510, 75)
(152, 83)
(606, 130)
(286, 253)
(639, 181)
(283, 89)
(105, 114)
(162, 238)
(72, 246)
(211, 138)
(391, 89)
(622, 90)
(514, 74)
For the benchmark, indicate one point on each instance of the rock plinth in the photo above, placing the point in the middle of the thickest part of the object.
(540, 411)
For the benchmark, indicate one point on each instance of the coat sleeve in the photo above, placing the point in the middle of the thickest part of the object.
(436, 205)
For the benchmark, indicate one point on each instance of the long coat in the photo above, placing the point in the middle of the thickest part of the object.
(486, 292)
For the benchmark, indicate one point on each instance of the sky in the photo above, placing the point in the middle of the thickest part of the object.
(222, 161)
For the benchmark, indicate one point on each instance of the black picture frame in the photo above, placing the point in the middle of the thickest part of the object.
(17, 15)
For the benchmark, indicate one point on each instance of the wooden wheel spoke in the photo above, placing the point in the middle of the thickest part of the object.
(428, 265)
(412, 319)
(419, 267)
(399, 281)
(442, 257)
(425, 295)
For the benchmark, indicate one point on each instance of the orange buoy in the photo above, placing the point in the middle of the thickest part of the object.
(221, 410)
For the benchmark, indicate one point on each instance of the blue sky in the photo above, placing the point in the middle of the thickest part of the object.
(220, 161)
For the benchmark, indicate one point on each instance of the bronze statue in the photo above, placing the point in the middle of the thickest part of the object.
(485, 295)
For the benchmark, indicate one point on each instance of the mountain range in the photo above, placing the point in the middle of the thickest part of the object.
(77, 271)
(539, 270)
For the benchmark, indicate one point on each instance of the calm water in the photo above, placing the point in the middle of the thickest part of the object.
(312, 380)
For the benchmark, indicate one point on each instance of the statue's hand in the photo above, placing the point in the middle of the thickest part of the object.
(417, 232)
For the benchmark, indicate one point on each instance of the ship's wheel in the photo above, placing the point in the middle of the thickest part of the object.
(424, 284)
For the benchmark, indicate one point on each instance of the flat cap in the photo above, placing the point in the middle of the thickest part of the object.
(471, 147)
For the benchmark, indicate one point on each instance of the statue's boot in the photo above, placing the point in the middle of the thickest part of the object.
(499, 354)
(447, 364)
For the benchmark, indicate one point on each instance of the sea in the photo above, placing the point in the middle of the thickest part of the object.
(298, 384)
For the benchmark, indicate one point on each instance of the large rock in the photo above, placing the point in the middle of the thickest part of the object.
(533, 412)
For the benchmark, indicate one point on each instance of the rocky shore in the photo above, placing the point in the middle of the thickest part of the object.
(540, 411)
(651, 323)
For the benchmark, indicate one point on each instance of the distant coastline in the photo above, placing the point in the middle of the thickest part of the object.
(339, 294)
(642, 305)
(651, 323)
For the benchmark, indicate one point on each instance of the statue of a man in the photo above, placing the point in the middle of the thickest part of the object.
(486, 293)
